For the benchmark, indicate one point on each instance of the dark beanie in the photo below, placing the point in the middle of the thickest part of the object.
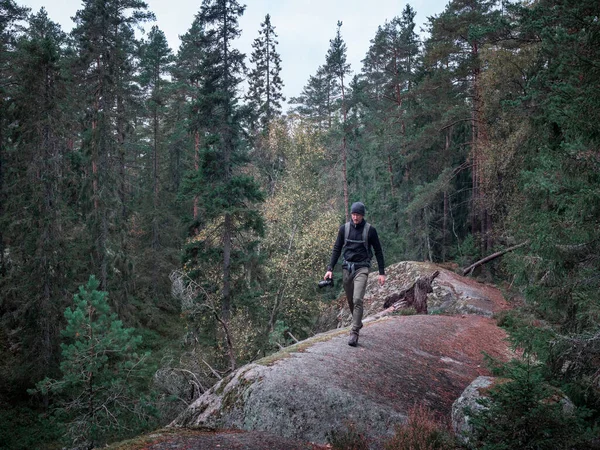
(358, 208)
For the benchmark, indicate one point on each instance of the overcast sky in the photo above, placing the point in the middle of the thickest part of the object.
(304, 27)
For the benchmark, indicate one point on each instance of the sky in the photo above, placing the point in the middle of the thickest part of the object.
(304, 27)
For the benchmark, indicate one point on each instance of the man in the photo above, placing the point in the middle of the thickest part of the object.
(357, 260)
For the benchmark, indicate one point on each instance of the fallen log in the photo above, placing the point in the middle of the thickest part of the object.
(415, 295)
(491, 257)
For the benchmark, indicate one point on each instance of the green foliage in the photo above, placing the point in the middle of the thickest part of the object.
(23, 429)
(101, 392)
(524, 411)
(301, 227)
(405, 312)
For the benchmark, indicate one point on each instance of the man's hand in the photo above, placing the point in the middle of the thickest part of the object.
(328, 275)
(381, 280)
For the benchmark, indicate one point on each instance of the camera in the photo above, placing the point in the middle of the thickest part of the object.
(326, 282)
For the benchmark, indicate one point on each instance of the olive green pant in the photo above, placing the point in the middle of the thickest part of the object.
(355, 287)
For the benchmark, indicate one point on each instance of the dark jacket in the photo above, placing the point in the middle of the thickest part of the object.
(355, 252)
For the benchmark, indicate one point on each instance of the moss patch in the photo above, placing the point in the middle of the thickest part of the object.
(234, 397)
(299, 347)
(164, 434)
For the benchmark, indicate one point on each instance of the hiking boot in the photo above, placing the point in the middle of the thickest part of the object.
(353, 341)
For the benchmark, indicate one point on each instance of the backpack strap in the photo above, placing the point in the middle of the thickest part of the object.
(346, 232)
(365, 236)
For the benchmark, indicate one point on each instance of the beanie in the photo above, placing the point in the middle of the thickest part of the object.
(358, 208)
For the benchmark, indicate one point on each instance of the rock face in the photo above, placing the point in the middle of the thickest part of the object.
(452, 294)
(321, 384)
(468, 401)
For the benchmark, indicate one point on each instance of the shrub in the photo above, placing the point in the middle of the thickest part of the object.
(421, 432)
(528, 413)
(349, 438)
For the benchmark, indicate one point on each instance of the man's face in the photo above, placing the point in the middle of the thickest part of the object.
(357, 218)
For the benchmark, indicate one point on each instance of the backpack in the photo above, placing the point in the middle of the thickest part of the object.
(365, 236)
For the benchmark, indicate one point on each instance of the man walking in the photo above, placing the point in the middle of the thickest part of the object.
(356, 239)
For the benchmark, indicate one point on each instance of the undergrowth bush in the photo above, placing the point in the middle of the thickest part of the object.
(422, 431)
(348, 438)
(526, 412)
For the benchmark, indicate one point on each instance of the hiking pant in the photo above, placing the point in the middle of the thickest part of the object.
(355, 287)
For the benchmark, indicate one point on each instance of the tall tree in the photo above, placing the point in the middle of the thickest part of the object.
(264, 82)
(340, 69)
(457, 37)
(155, 63)
(189, 77)
(389, 73)
(35, 189)
(104, 42)
(227, 194)
(10, 14)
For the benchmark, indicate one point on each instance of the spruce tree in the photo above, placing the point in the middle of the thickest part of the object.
(339, 69)
(38, 221)
(226, 194)
(264, 83)
(10, 14)
(104, 41)
(188, 78)
(156, 58)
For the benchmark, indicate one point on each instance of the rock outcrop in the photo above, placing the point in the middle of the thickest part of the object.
(452, 294)
(467, 404)
(322, 384)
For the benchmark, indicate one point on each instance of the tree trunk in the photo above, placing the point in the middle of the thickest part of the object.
(197, 167)
(446, 202)
(344, 153)
(414, 296)
(155, 224)
(2, 262)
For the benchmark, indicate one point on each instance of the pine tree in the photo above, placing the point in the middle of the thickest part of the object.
(264, 83)
(98, 395)
(389, 74)
(457, 37)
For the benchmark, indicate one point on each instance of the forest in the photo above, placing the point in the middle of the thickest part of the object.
(164, 221)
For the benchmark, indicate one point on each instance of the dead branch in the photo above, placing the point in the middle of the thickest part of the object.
(493, 256)
(293, 337)
(214, 372)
